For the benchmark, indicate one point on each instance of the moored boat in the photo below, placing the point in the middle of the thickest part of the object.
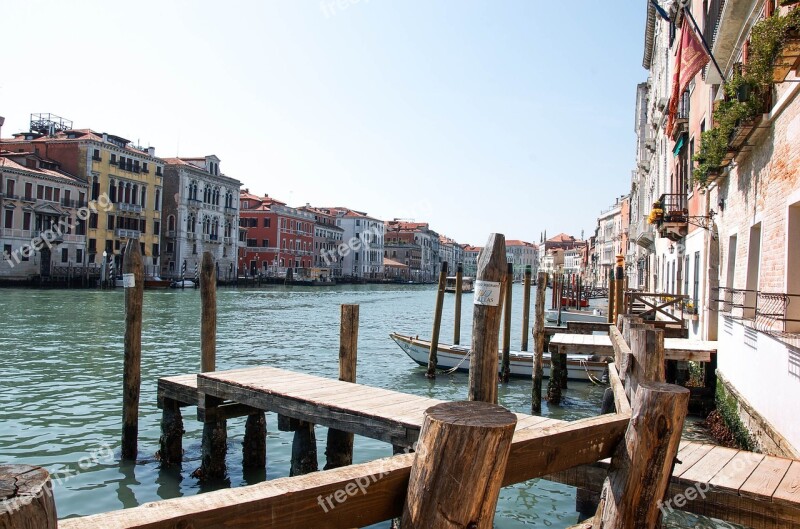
(156, 282)
(568, 315)
(467, 284)
(457, 357)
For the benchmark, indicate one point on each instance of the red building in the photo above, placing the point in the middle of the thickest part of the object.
(278, 237)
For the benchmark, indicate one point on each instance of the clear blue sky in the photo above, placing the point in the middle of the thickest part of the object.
(476, 116)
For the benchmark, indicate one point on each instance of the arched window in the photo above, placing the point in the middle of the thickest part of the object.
(171, 223)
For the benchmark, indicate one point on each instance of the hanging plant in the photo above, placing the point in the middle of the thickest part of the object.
(747, 91)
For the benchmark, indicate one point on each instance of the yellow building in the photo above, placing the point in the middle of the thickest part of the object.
(125, 181)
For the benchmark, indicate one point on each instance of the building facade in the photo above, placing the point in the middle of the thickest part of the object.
(521, 255)
(401, 247)
(129, 176)
(327, 238)
(200, 214)
(41, 202)
(278, 237)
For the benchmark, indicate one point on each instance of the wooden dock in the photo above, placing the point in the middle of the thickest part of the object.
(740, 487)
(679, 349)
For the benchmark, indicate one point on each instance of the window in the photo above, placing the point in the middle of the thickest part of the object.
(158, 170)
(792, 264)
(79, 255)
(266, 222)
(9, 223)
(155, 250)
(143, 226)
(122, 162)
(29, 190)
(40, 192)
(80, 227)
(26, 220)
(113, 159)
(110, 222)
(48, 193)
(158, 200)
(753, 265)
(92, 246)
(156, 228)
(10, 188)
(96, 155)
(265, 243)
(57, 194)
(696, 290)
(144, 167)
(95, 190)
(93, 220)
(685, 275)
(252, 243)
(7, 251)
(170, 247)
(194, 249)
(64, 255)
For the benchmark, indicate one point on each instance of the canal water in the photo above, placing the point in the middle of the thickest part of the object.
(61, 379)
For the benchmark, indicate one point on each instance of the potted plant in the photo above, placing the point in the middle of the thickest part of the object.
(656, 214)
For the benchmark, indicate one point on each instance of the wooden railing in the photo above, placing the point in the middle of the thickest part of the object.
(655, 305)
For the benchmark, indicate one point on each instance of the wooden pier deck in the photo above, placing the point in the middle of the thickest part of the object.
(741, 487)
(681, 349)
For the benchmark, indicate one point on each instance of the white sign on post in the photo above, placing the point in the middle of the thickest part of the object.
(487, 293)
(128, 280)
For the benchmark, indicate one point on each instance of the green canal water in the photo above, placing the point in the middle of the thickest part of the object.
(61, 379)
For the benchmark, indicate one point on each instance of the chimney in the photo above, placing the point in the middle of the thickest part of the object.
(105, 137)
(151, 151)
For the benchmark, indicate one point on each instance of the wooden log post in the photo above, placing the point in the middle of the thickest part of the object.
(526, 308)
(171, 441)
(538, 343)
(619, 285)
(459, 465)
(505, 368)
(26, 498)
(611, 303)
(304, 450)
(215, 435)
(641, 467)
(486, 312)
(133, 281)
(647, 350)
(437, 323)
(254, 446)
(554, 384)
(457, 315)
(339, 450)
(208, 315)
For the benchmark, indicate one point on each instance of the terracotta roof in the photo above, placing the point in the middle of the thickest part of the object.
(391, 263)
(468, 248)
(517, 242)
(562, 237)
(7, 162)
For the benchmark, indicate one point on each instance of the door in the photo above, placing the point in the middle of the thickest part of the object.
(44, 266)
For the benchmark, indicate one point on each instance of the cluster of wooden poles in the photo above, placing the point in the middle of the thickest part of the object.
(464, 454)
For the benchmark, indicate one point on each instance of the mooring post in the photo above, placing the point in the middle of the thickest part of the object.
(538, 344)
(304, 450)
(641, 467)
(171, 441)
(437, 323)
(526, 307)
(647, 350)
(505, 369)
(339, 450)
(486, 312)
(619, 285)
(459, 292)
(26, 498)
(459, 465)
(133, 281)
(554, 384)
(215, 435)
(611, 302)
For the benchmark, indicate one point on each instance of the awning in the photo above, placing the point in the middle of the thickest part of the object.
(679, 145)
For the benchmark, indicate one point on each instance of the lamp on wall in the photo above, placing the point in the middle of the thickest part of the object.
(671, 248)
(721, 205)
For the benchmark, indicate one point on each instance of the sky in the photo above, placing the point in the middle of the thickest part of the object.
(514, 117)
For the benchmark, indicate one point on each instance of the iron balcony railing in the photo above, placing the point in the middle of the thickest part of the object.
(673, 205)
(768, 311)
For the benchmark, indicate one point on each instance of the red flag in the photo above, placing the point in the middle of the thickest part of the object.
(691, 58)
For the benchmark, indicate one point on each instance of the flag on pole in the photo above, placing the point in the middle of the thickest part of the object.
(689, 60)
(660, 10)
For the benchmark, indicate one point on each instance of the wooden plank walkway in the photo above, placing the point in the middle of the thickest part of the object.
(759, 491)
(741, 487)
(674, 348)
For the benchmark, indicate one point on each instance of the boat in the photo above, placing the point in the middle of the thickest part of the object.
(467, 284)
(185, 283)
(156, 282)
(456, 357)
(568, 315)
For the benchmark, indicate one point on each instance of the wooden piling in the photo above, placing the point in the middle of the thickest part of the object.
(254, 446)
(208, 316)
(214, 444)
(619, 286)
(642, 464)
(554, 383)
(538, 344)
(171, 441)
(133, 281)
(459, 293)
(459, 465)
(488, 302)
(437, 323)
(647, 349)
(611, 303)
(339, 449)
(505, 369)
(304, 450)
(526, 307)
(26, 498)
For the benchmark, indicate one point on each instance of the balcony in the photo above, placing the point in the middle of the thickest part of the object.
(69, 203)
(171, 234)
(767, 312)
(228, 240)
(193, 203)
(681, 123)
(128, 208)
(191, 235)
(207, 237)
(230, 210)
(673, 223)
(127, 234)
(27, 198)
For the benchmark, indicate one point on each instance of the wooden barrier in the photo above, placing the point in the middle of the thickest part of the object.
(26, 498)
(505, 367)
(486, 312)
(458, 466)
(437, 323)
(133, 281)
(339, 451)
(526, 307)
